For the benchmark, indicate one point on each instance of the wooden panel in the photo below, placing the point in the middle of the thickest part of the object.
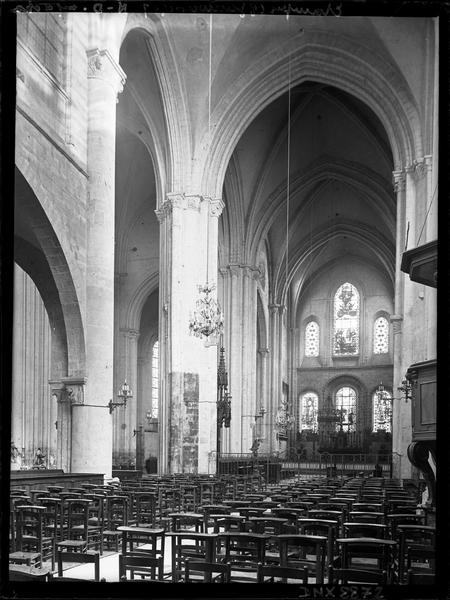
(42, 479)
(427, 397)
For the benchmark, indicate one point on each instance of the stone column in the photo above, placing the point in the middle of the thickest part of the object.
(91, 422)
(399, 181)
(276, 333)
(263, 400)
(63, 425)
(72, 405)
(429, 234)
(240, 293)
(188, 368)
(125, 418)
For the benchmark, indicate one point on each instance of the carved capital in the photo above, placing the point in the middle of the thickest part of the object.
(399, 181)
(418, 168)
(216, 206)
(131, 334)
(74, 390)
(193, 202)
(75, 394)
(397, 323)
(57, 391)
(263, 352)
(101, 65)
(276, 308)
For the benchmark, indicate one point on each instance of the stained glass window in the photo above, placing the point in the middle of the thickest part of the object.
(155, 379)
(346, 320)
(346, 409)
(308, 411)
(382, 411)
(381, 336)
(312, 339)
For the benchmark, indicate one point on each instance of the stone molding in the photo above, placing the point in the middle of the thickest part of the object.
(216, 206)
(188, 202)
(280, 308)
(397, 323)
(419, 167)
(74, 390)
(132, 334)
(241, 269)
(57, 390)
(101, 65)
(399, 181)
(263, 352)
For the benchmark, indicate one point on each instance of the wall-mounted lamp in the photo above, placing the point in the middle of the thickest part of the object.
(123, 395)
(406, 389)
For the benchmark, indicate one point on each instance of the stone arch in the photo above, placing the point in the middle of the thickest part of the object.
(139, 298)
(361, 179)
(176, 112)
(33, 262)
(261, 321)
(334, 384)
(361, 232)
(326, 58)
(40, 254)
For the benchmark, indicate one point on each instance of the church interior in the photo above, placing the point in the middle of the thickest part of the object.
(225, 298)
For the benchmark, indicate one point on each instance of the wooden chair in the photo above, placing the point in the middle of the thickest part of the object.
(30, 538)
(142, 540)
(421, 561)
(249, 512)
(181, 521)
(322, 527)
(269, 525)
(145, 503)
(29, 574)
(368, 554)
(414, 578)
(116, 516)
(79, 557)
(358, 576)
(54, 525)
(191, 544)
(394, 520)
(14, 502)
(80, 535)
(243, 551)
(304, 551)
(366, 517)
(376, 507)
(409, 537)
(210, 572)
(328, 515)
(368, 530)
(188, 497)
(143, 565)
(228, 523)
(277, 574)
(212, 509)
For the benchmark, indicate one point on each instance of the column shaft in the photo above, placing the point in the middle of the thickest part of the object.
(91, 421)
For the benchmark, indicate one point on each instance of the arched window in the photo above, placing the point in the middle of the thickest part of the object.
(312, 339)
(155, 379)
(309, 403)
(382, 411)
(381, 336)
(346, 320)
(346, 409)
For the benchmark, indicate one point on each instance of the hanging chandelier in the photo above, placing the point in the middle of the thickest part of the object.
(207, 319)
